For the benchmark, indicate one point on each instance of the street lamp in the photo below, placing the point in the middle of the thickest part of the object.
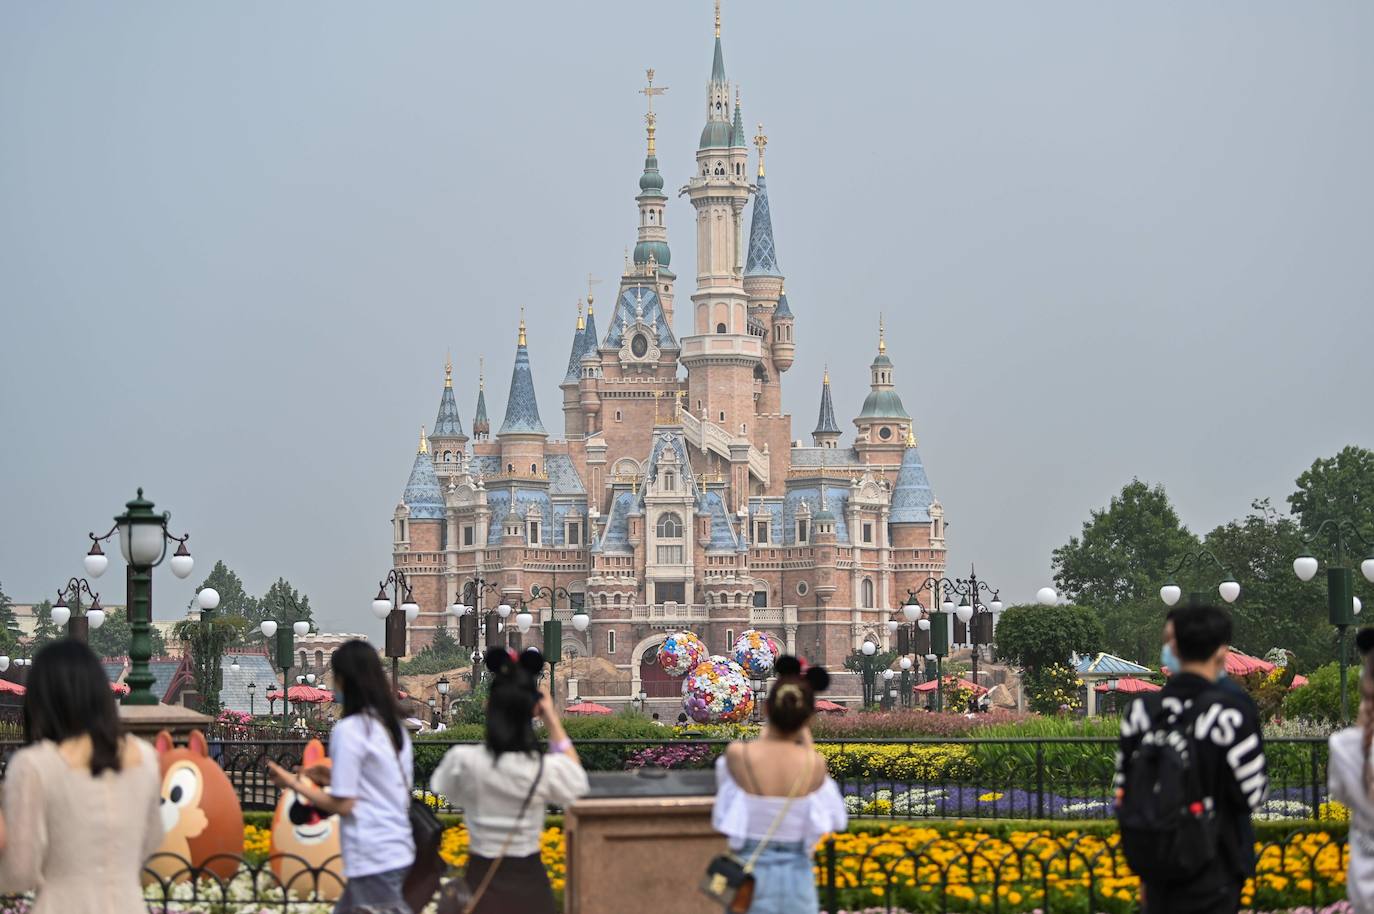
(968, 590)
(272, 699)
(868, 649)
(143, 539)
(442, 686)
(398, 610)
(252, 694)
(1227, 587)
(1341, 603)
(553, 629)
(474, 629)
(78, 625)
(906, 664)
(887, 687)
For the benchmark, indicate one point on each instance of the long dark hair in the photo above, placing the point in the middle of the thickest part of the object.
(510, 706)
(359, 675)
(69, 695)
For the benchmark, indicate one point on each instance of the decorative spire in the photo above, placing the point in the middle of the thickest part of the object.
(760, 141)
(825, 378)
(737, 136)
(522, 409)
(448, 371)
(447, 424)
(910, 437)
(591, 281)
(717, 18)
(581, 324)
(825, 422)
(481, 373)
(650, 119)
(762, 256)
(424, 442)
(882, 341)
(575, 356)
(589, 340)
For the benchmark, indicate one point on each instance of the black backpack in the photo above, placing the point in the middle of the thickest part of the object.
(1168, 822)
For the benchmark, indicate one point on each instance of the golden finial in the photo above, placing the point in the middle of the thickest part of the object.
(481, 372)
(581, 324)
(521, 342)
(448, 370)
(882, 343)
(910, 437)
(424, 442)
(760, 141)
(825, 379)
(717, 18)
(650, 118)
(591, 281)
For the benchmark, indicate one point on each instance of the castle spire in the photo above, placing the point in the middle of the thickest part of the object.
(827, 431)
(652, 239)
(737, 134)
(448, 371)
(760, 141)
(522, 409)
(481, 425)
(762, 258)
(424, 442)
(447, 424)
(575, 356)
(718, 132)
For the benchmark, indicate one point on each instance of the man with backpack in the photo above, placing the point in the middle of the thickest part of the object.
(1190, 771)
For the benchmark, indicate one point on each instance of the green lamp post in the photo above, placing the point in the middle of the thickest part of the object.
(1341, 603)
(553, 631)
(143, 540)
(1171, 592)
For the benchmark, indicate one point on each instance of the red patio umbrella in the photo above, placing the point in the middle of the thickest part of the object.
(829, 707)
(12, 688)
(1238, 664)
(1128, 685)
(304, 694)
(1298, 681)
(119, 688)
(929, 686)
(587, 707)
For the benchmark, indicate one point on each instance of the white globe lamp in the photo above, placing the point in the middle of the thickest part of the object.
(1170, 594)
(912, 611)
(301, 628)
(96, 561)
(1046, 596)
(1229, 590)
(268, 628)
(923, 624)
(581, 620)
(1305, 567)
(869, 648)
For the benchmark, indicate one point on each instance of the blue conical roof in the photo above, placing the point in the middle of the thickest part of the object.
(447, 424)
(718, 64)
(422, 495)
(522, 409)
(783, 309)
(763, 254)
(480, 417)
(912, 496)
(575, 356)
(825, 423)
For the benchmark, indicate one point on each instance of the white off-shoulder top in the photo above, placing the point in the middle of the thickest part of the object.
(742, 816)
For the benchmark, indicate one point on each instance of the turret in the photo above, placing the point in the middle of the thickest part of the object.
(883, 423)
(522, 433)
(419, 523)
(481, 427)
(572, 414)
(448, 440)
(827, 431)
(651, 244)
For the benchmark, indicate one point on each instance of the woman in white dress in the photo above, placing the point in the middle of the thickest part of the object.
(1350, 779)
(774, 798)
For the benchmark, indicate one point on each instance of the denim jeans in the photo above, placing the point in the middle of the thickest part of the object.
(379, 893)
(784, 882)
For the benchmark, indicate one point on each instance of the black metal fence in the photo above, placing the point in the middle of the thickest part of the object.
(1066, 778)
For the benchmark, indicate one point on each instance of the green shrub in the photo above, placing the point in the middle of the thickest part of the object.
(1320, 699)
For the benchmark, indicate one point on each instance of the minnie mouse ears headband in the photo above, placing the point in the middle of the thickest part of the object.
(787, 665)
(1364, 640)
(502, 661)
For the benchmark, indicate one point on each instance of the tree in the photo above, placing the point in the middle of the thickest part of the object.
(284, 605)
(1320, 699)
(1124, 554)
(439, 656)
(1034, 637)
(43, 630)
(112, 639)
(1275, 609)
(9, 625)
(1340, 486)
(233, 599)
(207, 640)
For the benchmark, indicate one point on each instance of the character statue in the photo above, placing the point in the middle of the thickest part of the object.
(305, 843)
(201, 816)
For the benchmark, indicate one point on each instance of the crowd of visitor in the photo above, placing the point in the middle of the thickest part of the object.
(82, 809)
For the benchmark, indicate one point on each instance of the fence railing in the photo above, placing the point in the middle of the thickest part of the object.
(1065, 778)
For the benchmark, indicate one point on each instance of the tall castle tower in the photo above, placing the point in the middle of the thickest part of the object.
(722, 354)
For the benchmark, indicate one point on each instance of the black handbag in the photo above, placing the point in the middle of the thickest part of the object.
(422, 881)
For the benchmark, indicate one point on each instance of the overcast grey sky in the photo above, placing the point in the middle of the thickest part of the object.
(236, 241)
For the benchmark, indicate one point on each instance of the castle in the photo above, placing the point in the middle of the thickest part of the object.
(678, 497)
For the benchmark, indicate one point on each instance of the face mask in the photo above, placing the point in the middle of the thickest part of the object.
(1168, 658)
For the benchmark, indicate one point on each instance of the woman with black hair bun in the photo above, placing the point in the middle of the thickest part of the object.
(774, 798)
(1350, 779)
(504, 786)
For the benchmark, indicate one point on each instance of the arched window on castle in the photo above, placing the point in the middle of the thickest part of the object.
(670, 526)
(867, 593)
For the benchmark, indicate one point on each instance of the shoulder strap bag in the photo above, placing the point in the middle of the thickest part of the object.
(729, 879)
(456, 897)
(422, 881)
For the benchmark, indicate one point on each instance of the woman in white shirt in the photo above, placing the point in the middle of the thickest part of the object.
(774, 798)
(1350, 780)
(504, 785)
(369, 784)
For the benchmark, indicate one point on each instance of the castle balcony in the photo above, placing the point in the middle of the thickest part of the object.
(669, 615)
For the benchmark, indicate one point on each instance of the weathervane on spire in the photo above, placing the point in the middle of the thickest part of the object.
(481, 372)
(448, 370)
(521, 341)
(717, 18)
(424, 442)
(581, 325)
(649, 92)
(882, 342)
(591, 281)
(760, 141)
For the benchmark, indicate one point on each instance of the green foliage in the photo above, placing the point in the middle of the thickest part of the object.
(1126, 551)
(208, 640)
(1337, 487)
(112, 639)
(1034, 636)
(44, 631)
(233, 599)
(439, 656)
(9, 625)
(1052, 688)
(881, 660)
(1275, 609)
(1320, 699)
(1066, 764)
(283, 604)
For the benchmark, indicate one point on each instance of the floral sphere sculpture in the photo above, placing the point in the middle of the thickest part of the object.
(681, 652)
(717, 692)
(755, 651)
